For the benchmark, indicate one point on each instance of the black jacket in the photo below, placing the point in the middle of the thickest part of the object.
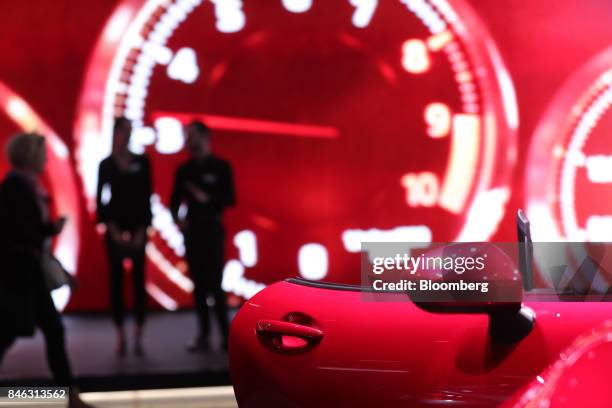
(212, 175)
(22, 233)
(129, 201)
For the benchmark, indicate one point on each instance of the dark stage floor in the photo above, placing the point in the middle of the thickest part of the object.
(91, 344)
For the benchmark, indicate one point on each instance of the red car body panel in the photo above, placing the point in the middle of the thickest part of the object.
(298, 345)
(579, 378)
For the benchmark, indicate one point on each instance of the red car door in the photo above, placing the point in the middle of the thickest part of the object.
(302, 343)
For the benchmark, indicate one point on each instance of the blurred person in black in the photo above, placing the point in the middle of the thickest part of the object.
(25, 226)
(204, 185)
(123, 206)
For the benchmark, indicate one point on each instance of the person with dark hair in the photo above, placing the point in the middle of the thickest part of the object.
(204, 185)
(26, 228)
(123, 206)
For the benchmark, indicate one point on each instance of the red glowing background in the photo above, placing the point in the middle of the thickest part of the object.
(300, 179)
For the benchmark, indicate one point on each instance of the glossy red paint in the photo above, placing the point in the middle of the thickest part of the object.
(579, 378)
(352, 352)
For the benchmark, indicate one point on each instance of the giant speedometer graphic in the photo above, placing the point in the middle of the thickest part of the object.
(345, 121)
(569, 182)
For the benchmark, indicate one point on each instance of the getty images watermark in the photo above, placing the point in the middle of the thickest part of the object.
(440, 264)
(441, 272)
(487, 272)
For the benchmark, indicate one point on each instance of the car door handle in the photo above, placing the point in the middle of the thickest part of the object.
(288, 329)
(289, 335)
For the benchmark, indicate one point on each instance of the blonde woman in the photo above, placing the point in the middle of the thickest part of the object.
(25, 225)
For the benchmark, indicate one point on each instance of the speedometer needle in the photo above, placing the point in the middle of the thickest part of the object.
(254, 125)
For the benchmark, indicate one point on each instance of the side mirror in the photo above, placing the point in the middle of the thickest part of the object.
(481, 276)
(509, 320)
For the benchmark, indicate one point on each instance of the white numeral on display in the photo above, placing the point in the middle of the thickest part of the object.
(246, 242)
(422, 189)
(230, 17)
(170, 138)
(415, 56)
(364, 11)
(297, 6)
(313, 261)
(438, 119)
(184, 66)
